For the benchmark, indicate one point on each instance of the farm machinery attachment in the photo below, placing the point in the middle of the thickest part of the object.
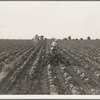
(48, 59)
(55, 59)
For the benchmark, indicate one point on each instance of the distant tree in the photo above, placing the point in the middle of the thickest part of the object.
(64, 38)
(45, 38)
(76, 39)
(41, 37)
(97, 39)
(69, 37)
(81, 38)
(36, 37)
(88, 38)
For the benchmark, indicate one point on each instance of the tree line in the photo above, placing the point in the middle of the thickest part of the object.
(70, 38)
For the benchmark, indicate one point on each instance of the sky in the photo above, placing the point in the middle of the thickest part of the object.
(53, 19)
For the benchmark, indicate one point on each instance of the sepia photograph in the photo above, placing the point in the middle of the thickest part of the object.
(49, 48)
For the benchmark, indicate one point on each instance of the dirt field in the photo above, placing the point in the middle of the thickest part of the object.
(23, 69)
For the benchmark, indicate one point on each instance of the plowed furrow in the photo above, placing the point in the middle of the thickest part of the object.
(88, 73)
(21, 79)
(6, 87)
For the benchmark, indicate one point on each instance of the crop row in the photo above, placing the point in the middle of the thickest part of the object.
(17, 67)
(79, 68)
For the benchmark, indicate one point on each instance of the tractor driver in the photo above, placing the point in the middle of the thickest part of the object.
(54, 47)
